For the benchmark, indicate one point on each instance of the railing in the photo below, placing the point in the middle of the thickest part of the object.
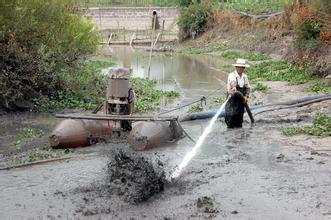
(119, 3)
(252, 6)
(120, 34)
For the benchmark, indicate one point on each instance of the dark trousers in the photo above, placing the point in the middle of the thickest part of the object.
(234, 111)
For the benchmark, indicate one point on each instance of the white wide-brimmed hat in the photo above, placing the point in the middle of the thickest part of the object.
(241, 63)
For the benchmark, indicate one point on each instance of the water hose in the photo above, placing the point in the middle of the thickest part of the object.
(295, 105)
(248, 110)
(291, 103)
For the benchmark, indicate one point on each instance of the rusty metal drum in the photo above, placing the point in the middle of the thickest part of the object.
(71, 133)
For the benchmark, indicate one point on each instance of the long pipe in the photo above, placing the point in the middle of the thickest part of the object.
(292, 103)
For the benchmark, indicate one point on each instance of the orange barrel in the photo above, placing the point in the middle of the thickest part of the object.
(147, 135)
(71, 133)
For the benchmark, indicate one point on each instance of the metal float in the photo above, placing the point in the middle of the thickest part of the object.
(80, 130)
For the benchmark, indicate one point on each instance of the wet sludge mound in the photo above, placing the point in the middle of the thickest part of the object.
(135, 178)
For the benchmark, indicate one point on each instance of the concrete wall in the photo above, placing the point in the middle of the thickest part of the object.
(132, 18)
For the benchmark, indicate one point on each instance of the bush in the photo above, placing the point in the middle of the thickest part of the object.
(39, 40)
(84, 88)
(194, 18)
(184, 3)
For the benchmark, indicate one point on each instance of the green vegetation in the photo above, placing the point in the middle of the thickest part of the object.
(260, 88)
(196, 51)
(41, 46)
(84, 88)
(218, 100)
(194, 17)
(248, 56)
(196, 108)
(319, 87)
(312, 27)
(31, 133)
(321, 127)
(46, 153)
(148, 98)
(279, 71)
(255, 7)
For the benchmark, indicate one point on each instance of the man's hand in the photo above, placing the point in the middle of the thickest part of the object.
(233, 89)
(245, 99)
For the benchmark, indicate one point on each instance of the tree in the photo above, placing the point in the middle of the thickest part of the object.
(38, 40)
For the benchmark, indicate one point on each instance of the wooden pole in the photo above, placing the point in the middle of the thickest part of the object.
(124, 33)
(152, 43)
(162, 29)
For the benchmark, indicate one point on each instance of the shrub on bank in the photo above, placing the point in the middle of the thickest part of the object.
(194, 16)
(39, 42)
(312, 33)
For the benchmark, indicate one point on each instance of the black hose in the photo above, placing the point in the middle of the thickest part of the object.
(185, 132)
(248, 110)
(295, 105)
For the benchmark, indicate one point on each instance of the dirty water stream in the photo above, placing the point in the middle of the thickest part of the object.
(238, 168)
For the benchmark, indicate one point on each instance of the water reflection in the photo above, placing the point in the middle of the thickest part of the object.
(195, 75)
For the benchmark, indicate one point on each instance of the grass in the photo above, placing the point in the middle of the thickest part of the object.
(261, 88)
(254, 7)
(318, 86)
(321, 127)
(248, 56)
(279, 71)
(149, 98)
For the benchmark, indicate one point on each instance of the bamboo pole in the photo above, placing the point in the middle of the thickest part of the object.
(152, 43)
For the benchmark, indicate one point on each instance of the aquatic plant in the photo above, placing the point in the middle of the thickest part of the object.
(279, 71)
(321, 127)
(196, 51)
(319, 87)
(245, 55)
(195, 108)
(148, 98)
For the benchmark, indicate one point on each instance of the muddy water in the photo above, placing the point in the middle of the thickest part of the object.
(194, 76)
(242, 170)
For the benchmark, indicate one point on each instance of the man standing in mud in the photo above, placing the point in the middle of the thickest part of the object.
(238, 91)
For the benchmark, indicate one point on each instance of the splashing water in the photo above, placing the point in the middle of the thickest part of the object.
(188, 157)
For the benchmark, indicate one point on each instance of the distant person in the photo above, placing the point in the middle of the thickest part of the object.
(238, 91)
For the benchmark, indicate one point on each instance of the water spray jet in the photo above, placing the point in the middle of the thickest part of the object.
(188, 157)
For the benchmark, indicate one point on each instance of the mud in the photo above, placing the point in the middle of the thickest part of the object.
(250, 173)
(135, 178)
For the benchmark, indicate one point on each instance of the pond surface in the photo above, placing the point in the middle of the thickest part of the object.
(194, 76)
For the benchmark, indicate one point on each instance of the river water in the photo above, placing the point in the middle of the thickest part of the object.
(194, 76)
(237, 167)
